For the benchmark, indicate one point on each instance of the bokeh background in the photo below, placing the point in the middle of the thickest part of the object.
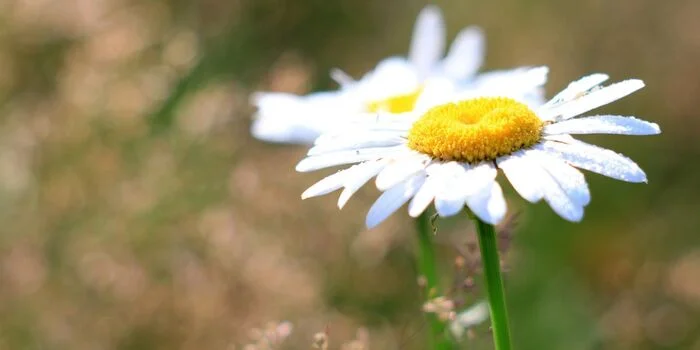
(136, 212)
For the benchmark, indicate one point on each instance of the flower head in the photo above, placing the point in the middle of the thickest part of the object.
(395, 85)
(450, 154)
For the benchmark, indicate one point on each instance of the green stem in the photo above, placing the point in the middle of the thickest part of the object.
(494, 284)
(439, 339)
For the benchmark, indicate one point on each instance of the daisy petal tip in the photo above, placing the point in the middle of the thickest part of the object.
(643, 178)
(342, 200)
(381, 184)
(492, 219)
(572, 215)
(375, 217)
(598, 77)
(498, 217)
(414, 213)
(634, 84)
(475, 31)
(575, 219)
(430, 10)
(492, 216)
(640, 177)
(302, 167)
(371, 223)
(541, 70)
(309, 193)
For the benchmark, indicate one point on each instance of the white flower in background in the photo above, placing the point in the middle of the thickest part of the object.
(396, 85)
(450, 155)
(469, 318)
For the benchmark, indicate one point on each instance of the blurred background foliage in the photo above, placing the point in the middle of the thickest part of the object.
(137, 213)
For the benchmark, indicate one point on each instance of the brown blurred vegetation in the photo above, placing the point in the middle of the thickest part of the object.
(137, 213)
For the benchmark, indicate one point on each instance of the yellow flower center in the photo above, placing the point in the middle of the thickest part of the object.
(475, 130)
(395, 104)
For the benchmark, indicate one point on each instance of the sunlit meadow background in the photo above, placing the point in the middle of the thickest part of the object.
(136, 212)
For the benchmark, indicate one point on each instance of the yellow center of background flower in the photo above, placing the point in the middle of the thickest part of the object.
(475, 130)
(395, 104)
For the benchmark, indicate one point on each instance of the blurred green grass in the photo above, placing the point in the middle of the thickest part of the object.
(137, 212)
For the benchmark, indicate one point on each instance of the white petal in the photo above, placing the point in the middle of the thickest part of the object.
(436, 91)
(453, 188)
(428, 41)
(466, 54)
(274, 100)
(522, 78)
(285, 118)
(569, 178)
(328, 160)
(604, 124)
(273, 130)
(523, 84)
(289, 118)
(357, 141)
(533, 182)
(451, 184)
(392, 199)
(559, 201)
(560, 138)
(347, 133)
(328, 184)
(595, 159)
(488, 204)
(478, 177)
(423, 197)
(523, 176)
(578, 87)
(392, 76)
(374, 119)
(343, 79)
(363, 173)
(592, 100)
(449, 206)
(356, 123)
(400, 170)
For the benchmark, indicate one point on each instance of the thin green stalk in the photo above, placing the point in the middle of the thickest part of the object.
(494, 284)
(439, 339)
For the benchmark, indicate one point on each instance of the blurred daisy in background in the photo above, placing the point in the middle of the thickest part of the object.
(396, 85)
(450, 154)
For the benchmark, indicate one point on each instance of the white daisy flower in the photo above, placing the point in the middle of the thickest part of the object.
(450, 155)
(395, 85)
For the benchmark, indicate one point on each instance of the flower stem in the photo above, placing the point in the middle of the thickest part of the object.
(494, 284)
(439, 339)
